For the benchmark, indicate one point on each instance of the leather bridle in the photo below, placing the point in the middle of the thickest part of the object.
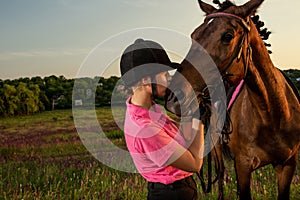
(237, 54)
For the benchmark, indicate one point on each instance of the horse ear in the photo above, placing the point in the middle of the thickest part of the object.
(208, 9)
(249, 8)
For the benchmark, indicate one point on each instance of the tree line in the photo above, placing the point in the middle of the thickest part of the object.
(25, 96)
(294, 75)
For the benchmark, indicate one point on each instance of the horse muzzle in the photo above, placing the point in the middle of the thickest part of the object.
(180, 103)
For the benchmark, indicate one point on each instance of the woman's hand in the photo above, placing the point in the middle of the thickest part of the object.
(188, 127)
(186, 130)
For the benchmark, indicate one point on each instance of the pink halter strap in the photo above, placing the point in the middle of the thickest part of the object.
(235, 94)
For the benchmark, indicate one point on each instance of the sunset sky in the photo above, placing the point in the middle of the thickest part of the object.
(53, 37)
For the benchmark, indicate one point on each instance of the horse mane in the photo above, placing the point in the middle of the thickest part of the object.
(263, 32)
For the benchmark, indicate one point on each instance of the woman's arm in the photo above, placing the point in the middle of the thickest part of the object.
(190, 159)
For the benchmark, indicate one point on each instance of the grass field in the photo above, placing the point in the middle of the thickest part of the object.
(42, 157)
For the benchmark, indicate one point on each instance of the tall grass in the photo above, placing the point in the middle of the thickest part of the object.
(29, 180)
(42, 157)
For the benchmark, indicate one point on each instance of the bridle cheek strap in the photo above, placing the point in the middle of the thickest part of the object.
(237, 55)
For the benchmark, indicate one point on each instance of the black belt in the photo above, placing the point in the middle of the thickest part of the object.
(179, 183)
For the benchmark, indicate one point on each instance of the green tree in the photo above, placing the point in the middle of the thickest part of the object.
(2, 102)
(104, 90)
(38, 96)
(11, 100)
(294, 75)
(28, 102)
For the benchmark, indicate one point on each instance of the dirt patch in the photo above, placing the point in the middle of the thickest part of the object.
(37, 137)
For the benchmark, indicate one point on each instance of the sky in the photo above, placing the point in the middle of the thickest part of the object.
(57, 37)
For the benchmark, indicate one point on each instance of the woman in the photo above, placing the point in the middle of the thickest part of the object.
(159, 148)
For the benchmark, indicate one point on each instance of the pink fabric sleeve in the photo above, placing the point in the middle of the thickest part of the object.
(159, 147)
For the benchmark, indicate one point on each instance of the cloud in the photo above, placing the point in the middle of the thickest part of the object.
(4, 56)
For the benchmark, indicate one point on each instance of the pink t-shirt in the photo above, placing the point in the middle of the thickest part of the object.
(151, 139)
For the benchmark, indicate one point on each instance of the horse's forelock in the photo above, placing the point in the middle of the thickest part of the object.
(223, 6)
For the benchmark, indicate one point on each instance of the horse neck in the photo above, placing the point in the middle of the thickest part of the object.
(260, 55)
(263, 76)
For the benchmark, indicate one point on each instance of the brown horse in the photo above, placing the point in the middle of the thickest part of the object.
(265, 115)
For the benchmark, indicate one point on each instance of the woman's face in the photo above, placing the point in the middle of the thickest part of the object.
(162, 81)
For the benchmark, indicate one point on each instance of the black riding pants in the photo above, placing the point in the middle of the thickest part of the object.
(185, 189)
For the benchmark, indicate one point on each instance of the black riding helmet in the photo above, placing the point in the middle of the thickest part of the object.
(144, 58)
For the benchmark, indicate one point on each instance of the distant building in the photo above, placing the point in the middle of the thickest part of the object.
(78, 102)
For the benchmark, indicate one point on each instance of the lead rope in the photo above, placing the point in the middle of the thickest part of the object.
(206, 188)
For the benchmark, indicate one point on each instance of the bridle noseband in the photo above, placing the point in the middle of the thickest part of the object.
(237, 54)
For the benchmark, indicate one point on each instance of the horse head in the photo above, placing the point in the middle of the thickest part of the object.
(220, 54)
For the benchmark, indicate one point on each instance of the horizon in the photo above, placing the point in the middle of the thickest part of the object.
(68, 78)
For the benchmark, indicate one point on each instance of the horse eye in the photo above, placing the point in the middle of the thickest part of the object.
(227, 37)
